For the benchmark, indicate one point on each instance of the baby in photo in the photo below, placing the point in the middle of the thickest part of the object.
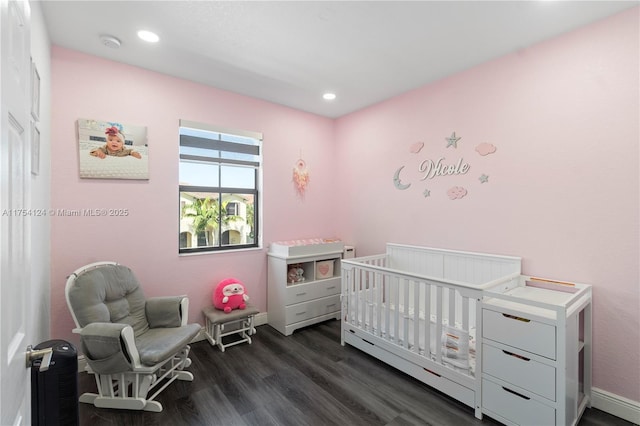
(114, 146)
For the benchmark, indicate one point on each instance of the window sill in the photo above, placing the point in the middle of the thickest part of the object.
(242, 250)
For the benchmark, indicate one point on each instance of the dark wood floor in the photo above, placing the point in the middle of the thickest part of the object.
(304, 379)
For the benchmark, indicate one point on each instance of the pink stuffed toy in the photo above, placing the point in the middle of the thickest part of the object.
(230, 294)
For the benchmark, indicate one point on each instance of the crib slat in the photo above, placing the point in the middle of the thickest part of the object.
(362, 320)
(370, 304)
(346, 296)
(465, 323)
(356, 297)
(387, 308)
(405, 307)
(416, 316)
(363, 299)
(396, 311)
(452, 307)
(465, 314)
(378, 301)
(439, 303)
(427, 320)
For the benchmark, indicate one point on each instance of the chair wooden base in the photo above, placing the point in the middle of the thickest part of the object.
(129, 390)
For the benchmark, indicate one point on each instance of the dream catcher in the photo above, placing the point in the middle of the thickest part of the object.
(300, 176)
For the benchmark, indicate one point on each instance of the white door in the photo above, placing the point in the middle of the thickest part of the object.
(15, 179)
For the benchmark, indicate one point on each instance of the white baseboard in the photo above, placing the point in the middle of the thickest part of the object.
(616, 405)
(260, 319)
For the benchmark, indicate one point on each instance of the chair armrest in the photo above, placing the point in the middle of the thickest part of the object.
(162, 312)
(109, 348)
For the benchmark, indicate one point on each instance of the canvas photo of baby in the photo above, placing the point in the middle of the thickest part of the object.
(115, 145)
(112, 150)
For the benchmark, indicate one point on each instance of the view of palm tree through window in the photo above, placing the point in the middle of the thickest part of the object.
(219, 175)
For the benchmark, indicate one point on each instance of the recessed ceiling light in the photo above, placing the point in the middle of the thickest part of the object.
(329, 96)
(148, 36)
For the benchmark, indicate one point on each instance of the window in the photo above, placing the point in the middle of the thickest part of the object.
(219, 188)
(232, 209)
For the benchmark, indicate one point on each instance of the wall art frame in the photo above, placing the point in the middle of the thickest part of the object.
(112, 150)
(35, 92)
(35, 149)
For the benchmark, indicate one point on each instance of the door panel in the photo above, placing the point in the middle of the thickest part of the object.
(15, 183)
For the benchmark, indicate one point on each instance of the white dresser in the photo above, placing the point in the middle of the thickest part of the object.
(536, 353)
(292, 305)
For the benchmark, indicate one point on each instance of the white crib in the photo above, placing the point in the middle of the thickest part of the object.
(418, 309)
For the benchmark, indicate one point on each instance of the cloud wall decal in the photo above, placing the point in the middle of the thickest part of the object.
(416, 147)
(456, 192)
(485, 149)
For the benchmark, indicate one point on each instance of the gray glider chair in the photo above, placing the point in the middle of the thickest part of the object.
(133, 346)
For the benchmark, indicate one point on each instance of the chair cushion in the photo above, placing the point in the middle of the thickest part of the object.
(216, 316)
(158, 344)
(109, 293)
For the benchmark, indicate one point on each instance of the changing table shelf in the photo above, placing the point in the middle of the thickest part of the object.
(536, 366)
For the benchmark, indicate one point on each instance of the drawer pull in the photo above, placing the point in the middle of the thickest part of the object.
(333, 304)
(516, 393)
(301, 294)
(516, 318)
(331, 288)
(301, 313)
(516, 356)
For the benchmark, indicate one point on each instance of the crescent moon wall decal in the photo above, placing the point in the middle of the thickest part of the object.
(396, 180)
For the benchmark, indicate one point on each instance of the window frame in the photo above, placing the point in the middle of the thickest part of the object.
(219, 192)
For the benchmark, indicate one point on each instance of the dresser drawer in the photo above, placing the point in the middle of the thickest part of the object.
(520, 332)
(514, 367)
(514, 407)
(307, 310)
(303, 292)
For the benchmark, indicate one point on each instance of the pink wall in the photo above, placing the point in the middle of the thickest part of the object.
(563, 184)
(147, 240)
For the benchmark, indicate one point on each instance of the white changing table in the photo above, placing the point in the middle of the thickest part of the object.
(536, 352)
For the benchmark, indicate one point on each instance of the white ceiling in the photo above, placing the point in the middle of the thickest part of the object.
(291, 52)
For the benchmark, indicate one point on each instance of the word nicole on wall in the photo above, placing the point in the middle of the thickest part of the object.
(431, 168)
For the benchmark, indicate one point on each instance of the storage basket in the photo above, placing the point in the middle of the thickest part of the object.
(324, 269)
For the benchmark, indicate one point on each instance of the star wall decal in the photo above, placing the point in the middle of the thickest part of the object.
(426, 193)
(452, 140)
(483, 179)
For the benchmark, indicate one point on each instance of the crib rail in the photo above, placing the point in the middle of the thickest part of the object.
(410, 312)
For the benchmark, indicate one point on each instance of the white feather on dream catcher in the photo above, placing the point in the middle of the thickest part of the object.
(300, 176)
